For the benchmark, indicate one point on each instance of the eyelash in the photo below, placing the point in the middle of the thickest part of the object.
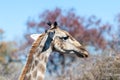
(64, 38)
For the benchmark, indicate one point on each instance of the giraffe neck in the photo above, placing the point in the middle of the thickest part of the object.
(36, 63)
(38, 66)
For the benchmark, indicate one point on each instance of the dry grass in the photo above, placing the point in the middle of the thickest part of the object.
(93, 68)
(100, 67)
(10, 71)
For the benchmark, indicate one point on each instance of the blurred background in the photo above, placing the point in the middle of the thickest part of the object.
(95, 24)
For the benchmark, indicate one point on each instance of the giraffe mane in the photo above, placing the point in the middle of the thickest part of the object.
(30, 56)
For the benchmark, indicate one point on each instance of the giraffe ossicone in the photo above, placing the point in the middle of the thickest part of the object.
(54, 39)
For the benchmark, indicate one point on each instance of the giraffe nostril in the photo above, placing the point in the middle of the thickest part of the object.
(85, 54)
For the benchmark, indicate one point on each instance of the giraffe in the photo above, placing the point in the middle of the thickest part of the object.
(54, 39)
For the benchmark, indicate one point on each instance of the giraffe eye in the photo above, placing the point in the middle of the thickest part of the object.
(64, 38)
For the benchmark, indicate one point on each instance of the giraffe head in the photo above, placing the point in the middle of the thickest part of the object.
(62, 41)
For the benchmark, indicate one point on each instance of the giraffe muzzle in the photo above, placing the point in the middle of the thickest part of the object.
(82, 54)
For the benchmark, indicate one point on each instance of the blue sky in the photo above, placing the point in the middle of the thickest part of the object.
(15, 13)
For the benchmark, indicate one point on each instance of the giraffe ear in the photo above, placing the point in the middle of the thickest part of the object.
(35, 36)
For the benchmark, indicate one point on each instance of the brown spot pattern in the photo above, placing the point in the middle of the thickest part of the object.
(36, 62)
(45, 59)
(34, 73)
(41, 67)
(39, 78)
(28, 77)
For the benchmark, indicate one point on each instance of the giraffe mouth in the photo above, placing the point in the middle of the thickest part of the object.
(79, 54)
(82, 55)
